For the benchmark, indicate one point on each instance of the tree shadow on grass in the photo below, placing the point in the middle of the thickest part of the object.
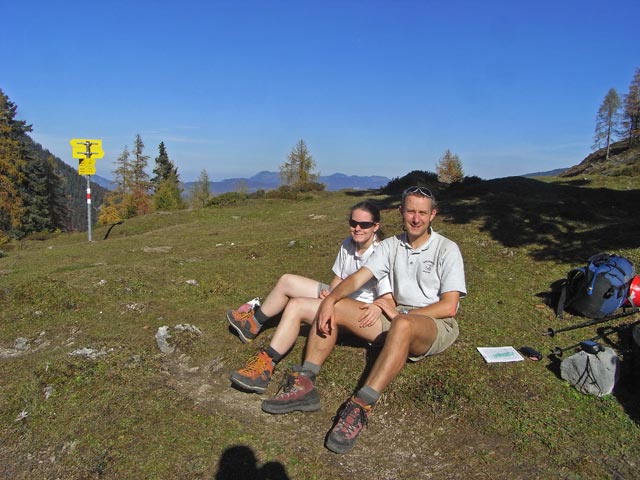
(561, 222)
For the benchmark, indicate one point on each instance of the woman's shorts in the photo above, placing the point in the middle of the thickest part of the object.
(323, 286)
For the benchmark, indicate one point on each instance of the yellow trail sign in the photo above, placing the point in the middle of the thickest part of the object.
(86, 148)
(87, 166)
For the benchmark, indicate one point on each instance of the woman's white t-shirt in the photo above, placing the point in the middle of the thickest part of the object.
(348, 262)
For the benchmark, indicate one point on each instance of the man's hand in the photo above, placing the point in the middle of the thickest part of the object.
(325, 317)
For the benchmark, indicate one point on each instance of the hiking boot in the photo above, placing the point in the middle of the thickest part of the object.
(257, 373)
(250, 306)
(245, 324)
(351, 420)
(298, 393)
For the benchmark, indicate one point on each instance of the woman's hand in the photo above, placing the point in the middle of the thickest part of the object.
(387, 305)
(370, 315)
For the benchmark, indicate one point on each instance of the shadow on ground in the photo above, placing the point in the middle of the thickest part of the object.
(558, 221)
(239, 462)
(561, 222)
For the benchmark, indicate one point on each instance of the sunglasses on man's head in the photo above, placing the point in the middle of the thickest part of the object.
(421, 190)
(362, 225)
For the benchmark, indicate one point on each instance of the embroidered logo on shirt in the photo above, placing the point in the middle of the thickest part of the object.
(428, 266)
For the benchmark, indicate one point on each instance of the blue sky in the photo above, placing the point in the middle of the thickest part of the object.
(372, 87)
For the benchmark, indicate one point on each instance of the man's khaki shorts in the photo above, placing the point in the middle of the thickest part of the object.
(448, 332)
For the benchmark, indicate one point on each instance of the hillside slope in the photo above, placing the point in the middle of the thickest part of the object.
(623, 160)
(88, 394)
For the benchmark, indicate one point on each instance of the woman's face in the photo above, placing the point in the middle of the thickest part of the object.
(362, 227)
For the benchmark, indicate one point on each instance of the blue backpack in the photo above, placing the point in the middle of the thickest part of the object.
(597, 289)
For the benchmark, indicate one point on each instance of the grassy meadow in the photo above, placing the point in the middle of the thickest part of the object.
(86, 393)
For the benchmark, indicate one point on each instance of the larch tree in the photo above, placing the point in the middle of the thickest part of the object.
(607, 121)
(200, 194)
(298, 169)
(138, 201)
(12, 164)
(449, 168)
(122, 174)
(113, 209)
(631, 111)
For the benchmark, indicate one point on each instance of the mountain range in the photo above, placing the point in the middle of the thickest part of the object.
(624, 159)
(266, 180)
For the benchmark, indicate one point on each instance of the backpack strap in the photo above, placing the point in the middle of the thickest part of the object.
(598, 258)
(561, 301)
(569, 282)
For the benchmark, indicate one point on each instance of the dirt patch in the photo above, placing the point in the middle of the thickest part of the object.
(396, 444)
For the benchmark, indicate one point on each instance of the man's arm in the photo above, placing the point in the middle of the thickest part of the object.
(446, 307)
(342, 290)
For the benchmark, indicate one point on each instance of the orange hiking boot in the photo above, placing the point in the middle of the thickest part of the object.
(244, 323)
(256, 375)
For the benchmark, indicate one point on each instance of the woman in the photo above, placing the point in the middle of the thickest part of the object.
(300, 297)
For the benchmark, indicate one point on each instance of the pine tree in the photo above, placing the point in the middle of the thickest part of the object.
(631, 114)
(606, 121)
(54, 188)
(164, 168)
(449, 168)
(36, 216)
(200, 194)
(168, 195)
(166, 183)
(298, 169)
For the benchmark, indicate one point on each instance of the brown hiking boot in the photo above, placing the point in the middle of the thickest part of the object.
(351, 420)
(298, 393)
(244, 323)
(255, 376)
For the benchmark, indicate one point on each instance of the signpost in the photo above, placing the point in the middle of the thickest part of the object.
(87, 150)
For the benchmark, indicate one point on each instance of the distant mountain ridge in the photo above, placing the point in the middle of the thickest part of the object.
(266, 180)
(549, 173)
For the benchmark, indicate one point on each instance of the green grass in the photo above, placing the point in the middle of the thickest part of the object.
(133, 413)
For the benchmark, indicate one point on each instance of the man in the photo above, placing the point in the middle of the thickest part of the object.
(427, 280)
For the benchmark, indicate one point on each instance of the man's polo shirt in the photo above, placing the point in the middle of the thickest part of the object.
(419, 276)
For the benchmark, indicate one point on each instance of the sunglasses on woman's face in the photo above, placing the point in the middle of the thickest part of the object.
(362, 225)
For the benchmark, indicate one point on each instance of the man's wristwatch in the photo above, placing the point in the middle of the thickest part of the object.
(404, 311)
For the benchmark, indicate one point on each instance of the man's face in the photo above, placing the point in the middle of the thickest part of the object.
(417, 214)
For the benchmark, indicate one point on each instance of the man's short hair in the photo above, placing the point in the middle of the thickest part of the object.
(420, 192)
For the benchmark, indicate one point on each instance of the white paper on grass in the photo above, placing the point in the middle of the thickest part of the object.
(500, 354)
